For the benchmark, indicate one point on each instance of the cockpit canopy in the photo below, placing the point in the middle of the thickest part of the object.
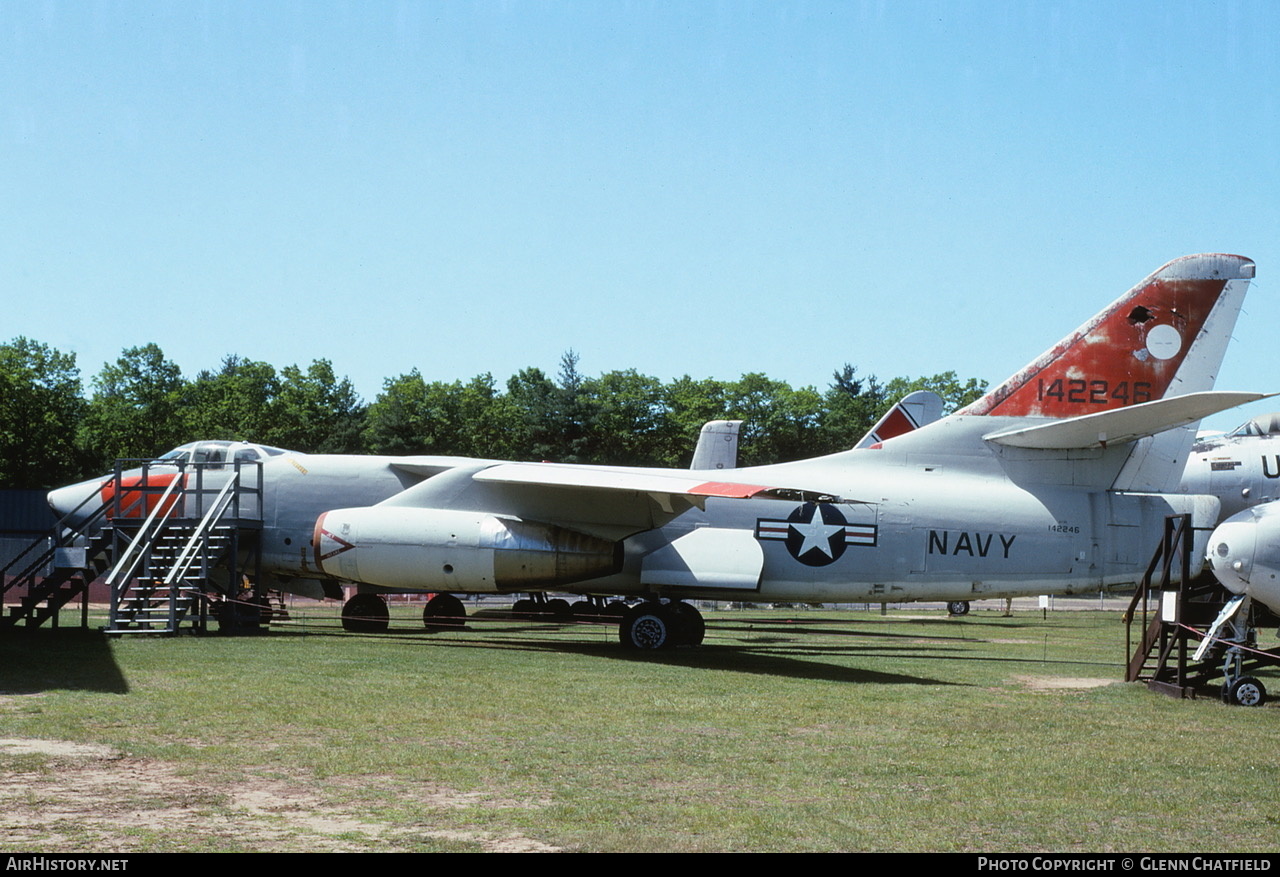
(1264, 424)
(217, 453)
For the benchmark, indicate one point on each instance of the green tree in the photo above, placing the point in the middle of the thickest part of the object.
(411, 416)
(137, 407)
(40, 412)
(955, 393)
(537, 429)
(314, 412)
(688, 404)
(780, 423)
(234, 402)
(628, 419)
(851, 406)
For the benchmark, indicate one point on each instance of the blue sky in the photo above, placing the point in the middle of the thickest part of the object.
(680, 188)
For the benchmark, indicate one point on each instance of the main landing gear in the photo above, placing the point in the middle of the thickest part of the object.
(654, 625)
(646, 626)
(587, 608)
(444, 612)
(367, 613)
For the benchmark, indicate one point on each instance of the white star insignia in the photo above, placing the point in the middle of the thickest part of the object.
(817, 534)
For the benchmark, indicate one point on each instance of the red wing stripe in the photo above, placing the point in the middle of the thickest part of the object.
(729, 489)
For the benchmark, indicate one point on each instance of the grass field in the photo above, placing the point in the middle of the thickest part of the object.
(786, 731)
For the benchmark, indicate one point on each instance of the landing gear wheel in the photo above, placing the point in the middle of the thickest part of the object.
(558, 608)
(690, 628)
(615, 609)
(444, 611)
(236, 617)
(1245, 691)
(265, 612)
(647, 626)
(584, 609)
(365, 613)
(958, 607)
(524, 606)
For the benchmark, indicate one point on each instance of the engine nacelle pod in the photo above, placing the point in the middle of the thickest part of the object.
(446, 550)
(1244, 551)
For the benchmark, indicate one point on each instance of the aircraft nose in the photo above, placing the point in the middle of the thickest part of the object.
(75, 500)
(1231, 552)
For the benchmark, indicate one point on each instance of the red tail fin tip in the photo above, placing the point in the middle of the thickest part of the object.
(1134, 349)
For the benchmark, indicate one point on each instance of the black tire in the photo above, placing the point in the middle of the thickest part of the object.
(615, 609)
(236, 618)
(957, 608)
(444, 611)
(558, 608)
(1246, 691)
(584, 609)
(646, 627)
(690, 627)
(524, 606)
(365, 613)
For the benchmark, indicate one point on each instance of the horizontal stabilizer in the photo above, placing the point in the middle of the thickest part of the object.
(1119, 425)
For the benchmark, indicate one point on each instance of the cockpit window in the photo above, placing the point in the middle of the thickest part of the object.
(212, 455)
(218, 452)
(1267, 424)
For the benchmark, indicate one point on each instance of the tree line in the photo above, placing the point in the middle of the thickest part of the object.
(53, 432)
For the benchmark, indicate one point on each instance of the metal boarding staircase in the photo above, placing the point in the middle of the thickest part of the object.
(55, 569)
(158, 538)
(1170, 630)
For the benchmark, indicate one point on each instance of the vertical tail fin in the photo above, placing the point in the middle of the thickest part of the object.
(1164, 337)
(911, 412)
(717, 446)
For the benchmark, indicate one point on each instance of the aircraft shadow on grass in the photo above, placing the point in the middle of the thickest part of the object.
(775, 647)
(765, 655)
(44, 660)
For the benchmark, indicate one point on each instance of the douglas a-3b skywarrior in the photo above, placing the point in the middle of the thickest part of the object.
(1057, 481)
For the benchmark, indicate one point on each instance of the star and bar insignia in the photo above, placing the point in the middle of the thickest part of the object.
(816, 534)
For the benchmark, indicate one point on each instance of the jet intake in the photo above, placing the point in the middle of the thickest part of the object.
(446, 550)
(1244, 551)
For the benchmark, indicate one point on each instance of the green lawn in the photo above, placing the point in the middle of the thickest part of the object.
(789, 731)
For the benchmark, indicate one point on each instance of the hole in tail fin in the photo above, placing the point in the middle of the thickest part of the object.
(1140, 315)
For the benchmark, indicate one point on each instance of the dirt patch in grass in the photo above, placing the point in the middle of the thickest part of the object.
(58, 748)
(1061, 683)
(86, 796)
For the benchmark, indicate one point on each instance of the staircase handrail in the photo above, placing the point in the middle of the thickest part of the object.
(216, 510)
(162, 511)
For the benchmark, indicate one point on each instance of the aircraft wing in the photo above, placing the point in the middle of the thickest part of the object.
(607, 501)
(656, 483)
(428, 466)
(1118, 425)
